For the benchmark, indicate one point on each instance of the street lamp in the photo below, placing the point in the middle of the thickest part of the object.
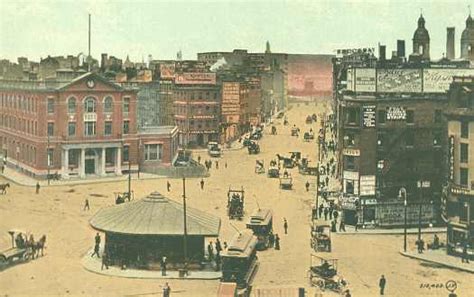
(402, 193)
(421, 184)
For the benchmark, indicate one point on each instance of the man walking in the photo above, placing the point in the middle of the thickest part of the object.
(166, 290)
(356, 224)
(86, 205)
(210, 251)
(37, 187)
(326, 212)
(202, 184)
(465, 256)
(96, 246)
(218, 246)
(307, 186)
(168, 185)
(382, 283)
(163, 266)
(277, 242)
(285, 225)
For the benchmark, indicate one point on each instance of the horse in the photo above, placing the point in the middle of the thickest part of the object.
(3, 188)
(38, 246)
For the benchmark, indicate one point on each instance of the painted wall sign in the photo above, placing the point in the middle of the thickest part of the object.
(368, 116)
(396, 113)
(351, 152)
(451, 157)
(367, 185)
(365, 80)
(438, 80)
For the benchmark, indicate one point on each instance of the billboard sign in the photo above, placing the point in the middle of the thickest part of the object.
(367, 185)
(393, 214)
(438, 80)
(167, 70)
(399, 80)
(396, 113)
(368, 116)
(365, 80)
(195, 78)
(451, 157)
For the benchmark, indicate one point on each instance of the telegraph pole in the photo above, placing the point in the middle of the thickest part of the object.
(185, 243)
(129, 180)
(48, 159)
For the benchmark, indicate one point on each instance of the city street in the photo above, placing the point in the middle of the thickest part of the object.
(58, 212)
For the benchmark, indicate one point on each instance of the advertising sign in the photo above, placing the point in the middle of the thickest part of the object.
(350, 79)
(167, 70)
(451, 157)
(368, 116)
(393, 214)
(438, 80)
(365, 80)
(195, 78)
(351, 152)
(367, 185)
(399, 80)
(352, 175)
(396, 113)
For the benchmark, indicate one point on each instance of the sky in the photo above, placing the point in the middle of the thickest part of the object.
(38, 28)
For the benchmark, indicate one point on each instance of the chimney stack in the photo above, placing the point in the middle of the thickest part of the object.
(401, 48)
(450, 43)
(382, 56)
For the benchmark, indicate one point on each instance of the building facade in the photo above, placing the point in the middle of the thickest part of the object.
(84, 127)
(459, 203)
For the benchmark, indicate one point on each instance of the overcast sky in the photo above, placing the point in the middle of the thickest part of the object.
(37, 28)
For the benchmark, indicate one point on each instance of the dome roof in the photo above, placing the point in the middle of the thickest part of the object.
(468, 33)
(421, 33)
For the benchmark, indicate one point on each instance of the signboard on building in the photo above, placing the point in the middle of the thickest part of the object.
(391, 214)
(399, 80)
(352, 175)
(167, 70)
(451, 157)
(367, 185)
(353, 51)
(438, 80)
(351, 152)
(368, 116)
(396, 113)
(196, 78)
(365, 80)
(350, 79)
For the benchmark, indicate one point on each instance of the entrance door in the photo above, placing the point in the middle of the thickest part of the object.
(200, 139)
(89, 162)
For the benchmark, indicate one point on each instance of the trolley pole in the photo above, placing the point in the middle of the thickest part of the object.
(185, 243)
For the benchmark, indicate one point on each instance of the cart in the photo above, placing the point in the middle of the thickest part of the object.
(286, 182)
(259, 166)
(19, 252)
(309, 120)
(273, 171)
(321, 238)
(121, 197)
(253, 148)
(235, 203)
(323, 274)
(214, 150)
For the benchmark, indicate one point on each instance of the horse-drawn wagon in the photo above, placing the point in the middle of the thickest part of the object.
(286, 182)
(323, 274)
(321, 237)
(253, 148)
(273, 170)
(214, 150)
(19, 252)
(120, 197)
(235, 203)
(259, 166)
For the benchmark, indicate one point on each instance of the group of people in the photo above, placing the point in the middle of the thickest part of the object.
(214, 252)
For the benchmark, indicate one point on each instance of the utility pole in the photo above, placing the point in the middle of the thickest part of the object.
(48, 159)
(129, 180)
(185, 243)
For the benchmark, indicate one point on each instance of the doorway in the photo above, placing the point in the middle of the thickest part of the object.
(90, 161)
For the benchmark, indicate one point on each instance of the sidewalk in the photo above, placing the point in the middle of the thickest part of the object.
(95, 264)
(441, 258)
(350, 230)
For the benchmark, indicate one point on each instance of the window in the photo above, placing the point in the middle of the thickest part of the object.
(352, 116)
(108, 104)
(438, 116)
(464, 152)
(71, 129)
(464, 129)
(110, 155)
(410, 138)
(108, 128)
(71, 105)
(410, 117)
(382, 116)
(50, 105)
(349, 187)
(153, 152)
(89, 128)
(437, 137)
(125, 153)
(50, 160)
(50, 129)
(126, 127)
(464, 174)
(89, 105)
(126, 105)
(350, 162)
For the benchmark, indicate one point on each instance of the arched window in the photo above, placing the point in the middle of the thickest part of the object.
(89, 105)
(71, 105)
(108, 104)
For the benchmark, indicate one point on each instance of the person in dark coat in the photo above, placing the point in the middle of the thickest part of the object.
(163, 264)
(342, 226)
(335, 215)
(331, 211)
(86, 205)
(285, 226)
(202, 184)
(210, 251)
(320, 212)
(218, 246)
(327, 177)
(326, 212)
(37, 187)
(168, 186)
(356, 224)
(333, 226)
(382, 283)
(465, 256)
(166, 290)
(277, 242)
(307, 186)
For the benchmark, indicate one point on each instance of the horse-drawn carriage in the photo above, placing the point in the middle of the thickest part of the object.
(235, 203)
(23, 248)
(308, 136)
(305, 169)
(309, 120)
(321, 237)
(253, 148)
(214, 150)
(288, 162)
(53, 176)
(273, 170)
(286, 182)
(259, 166)
(294, 131)
(120, 197)
(323, 274)
(3, 188)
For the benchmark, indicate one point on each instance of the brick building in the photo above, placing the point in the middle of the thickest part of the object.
(234, 96)
(459, 192)
(82, 127)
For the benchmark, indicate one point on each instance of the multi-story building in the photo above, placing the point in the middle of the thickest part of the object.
(234, 95)
(77, 128)
(459, 193)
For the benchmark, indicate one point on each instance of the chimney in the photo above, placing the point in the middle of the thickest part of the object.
(103, 61)
(382, 56)
(450, 43)
(401, 48)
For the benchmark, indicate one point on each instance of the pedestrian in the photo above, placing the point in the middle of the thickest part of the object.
(321, 208)
(163, 264)
(218, 246)
(333, 226)
(421, 245)
(356, 220)
(307, 186)
(335, 215)
(166, 290)
(342, 226)
(271, 240)
(86, 205)
(217, 164)
(327, 177)
(465, 256)
(218, 262)
(285, 225)
(382, 283)
(225, 245)
(210, 251)
(277, 242)
(326, 212)
(199, 159)
(168, 185)
(331, 211)
(105, 260)
(202, 184)
(96, 250)
(37, 187)
(97, 238)
(225, 164)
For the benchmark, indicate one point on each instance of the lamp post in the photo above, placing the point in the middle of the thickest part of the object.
(48, 158)
(402, 193)
(129, 180)
(185, 243)
(421, 184)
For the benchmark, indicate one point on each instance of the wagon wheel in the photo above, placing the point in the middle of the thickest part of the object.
(321, 284)
(26, 255)
(3, 262)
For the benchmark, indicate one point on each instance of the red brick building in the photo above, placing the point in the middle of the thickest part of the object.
(86, 126)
